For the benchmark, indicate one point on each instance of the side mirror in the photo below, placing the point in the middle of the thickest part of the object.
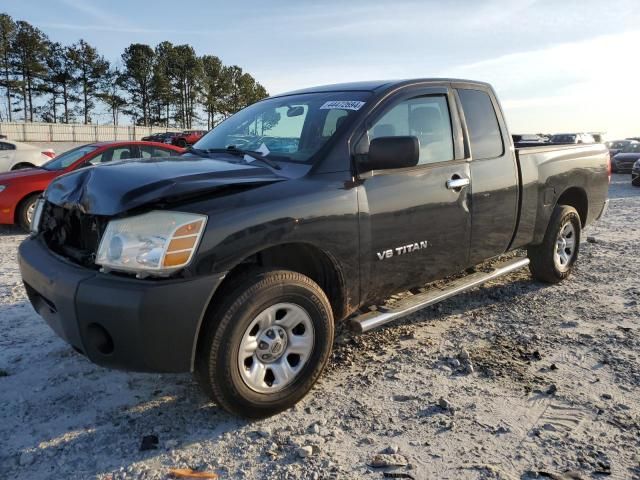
(391, 152)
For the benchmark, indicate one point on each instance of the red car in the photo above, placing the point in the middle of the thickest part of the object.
(20, 189)
(188, 137)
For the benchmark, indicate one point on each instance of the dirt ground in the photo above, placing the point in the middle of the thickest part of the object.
(514, 380)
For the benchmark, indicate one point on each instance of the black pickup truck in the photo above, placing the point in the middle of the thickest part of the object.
(235, 260)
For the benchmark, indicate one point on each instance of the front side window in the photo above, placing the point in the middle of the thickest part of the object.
(482, 124)
(426, 118)
(291, 128)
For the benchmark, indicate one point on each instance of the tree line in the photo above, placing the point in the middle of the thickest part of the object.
(169, 85)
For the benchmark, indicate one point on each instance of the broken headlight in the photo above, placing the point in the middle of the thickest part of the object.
(155, 243)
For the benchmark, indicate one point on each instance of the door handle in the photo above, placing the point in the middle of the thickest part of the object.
(456, 182)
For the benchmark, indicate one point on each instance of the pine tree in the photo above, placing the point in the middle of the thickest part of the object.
(91, 69)
(29, 49)
(7, 35)
(138, 60)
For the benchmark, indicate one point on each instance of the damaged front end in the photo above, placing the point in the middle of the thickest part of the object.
(83, 208)
(72, 234)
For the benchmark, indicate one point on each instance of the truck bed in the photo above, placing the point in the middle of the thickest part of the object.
(549, 171)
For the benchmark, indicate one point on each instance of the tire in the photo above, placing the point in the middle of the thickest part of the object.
(25, 210)
(241, 319)
(551, 261)
(182, 143)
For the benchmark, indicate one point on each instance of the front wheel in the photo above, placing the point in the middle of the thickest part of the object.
(553, 260)
(26, 210)
(266, 344)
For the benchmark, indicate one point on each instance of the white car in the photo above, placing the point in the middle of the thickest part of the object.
(16, 155)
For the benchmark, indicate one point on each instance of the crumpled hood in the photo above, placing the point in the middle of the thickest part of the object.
(114, 188)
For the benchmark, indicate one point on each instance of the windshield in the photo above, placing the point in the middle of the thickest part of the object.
(291, 128)
(618, 145)
(68, 158)
(632, 148)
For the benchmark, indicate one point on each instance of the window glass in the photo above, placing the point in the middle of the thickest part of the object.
(332, 121)
(112, 155)
(7, 146)
(67, 158)
(632, 148)
(148, 151)
(424, 117)
(292, 128)
(482, 124)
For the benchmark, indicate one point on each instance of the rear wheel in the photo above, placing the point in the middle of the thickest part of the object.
(266, 344)
(553, 260)
(182, 143)
(25, 211)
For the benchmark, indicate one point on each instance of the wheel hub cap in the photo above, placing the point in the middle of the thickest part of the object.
(272, 343)
(275, 347)
(565, 247)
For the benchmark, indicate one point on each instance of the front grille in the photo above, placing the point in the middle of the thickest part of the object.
(72, 234)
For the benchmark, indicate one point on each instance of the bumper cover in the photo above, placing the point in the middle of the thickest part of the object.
(118, 322)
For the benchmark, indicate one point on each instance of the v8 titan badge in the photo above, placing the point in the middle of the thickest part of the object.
(412, 247)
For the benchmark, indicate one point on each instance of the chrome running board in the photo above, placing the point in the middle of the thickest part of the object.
(370, 320)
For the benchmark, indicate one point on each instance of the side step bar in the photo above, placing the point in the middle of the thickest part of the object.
(370, 320)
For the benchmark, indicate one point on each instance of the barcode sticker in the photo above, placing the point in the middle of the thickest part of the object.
(342, 105)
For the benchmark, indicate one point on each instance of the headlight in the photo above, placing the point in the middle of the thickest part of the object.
(37, 215)
(2, 187)
(156, 243)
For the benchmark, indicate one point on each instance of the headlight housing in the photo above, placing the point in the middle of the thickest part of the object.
(37, 216)
(156, 243)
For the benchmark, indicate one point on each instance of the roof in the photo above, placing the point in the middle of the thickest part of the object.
(373, 85)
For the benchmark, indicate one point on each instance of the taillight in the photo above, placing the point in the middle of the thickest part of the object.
(49, 153)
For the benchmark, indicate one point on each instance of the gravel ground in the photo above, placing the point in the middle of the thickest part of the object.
(515, 380)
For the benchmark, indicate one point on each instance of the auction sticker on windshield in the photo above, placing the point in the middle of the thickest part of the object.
(342, 105)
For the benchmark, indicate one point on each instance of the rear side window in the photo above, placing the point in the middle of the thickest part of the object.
(148, 151)
(482, 124)
(7, 146)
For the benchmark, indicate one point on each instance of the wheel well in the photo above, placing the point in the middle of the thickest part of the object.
(576, 198)
(16, 212)
(20, 165)
(298, 257)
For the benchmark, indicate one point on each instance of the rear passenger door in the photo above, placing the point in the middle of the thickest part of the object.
(494, 173)
(414, 226)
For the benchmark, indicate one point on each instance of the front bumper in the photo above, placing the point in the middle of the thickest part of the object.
(118, 322)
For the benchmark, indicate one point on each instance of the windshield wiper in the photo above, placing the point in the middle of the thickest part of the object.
(233, 150)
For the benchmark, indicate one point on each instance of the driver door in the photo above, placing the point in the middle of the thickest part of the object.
(414, 226)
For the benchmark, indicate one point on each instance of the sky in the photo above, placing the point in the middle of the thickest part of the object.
(557, 66)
